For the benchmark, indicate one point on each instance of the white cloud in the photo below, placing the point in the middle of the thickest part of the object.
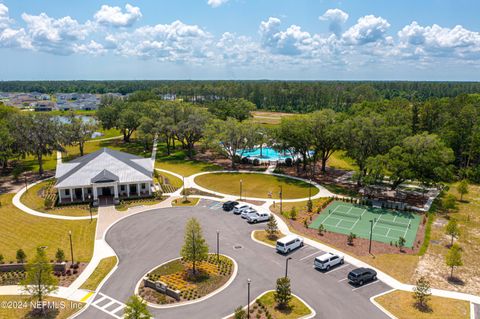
(420, 41)
(367, 30)
(55, 35)
(170, 42)
(93, 48)
(337, 18)
(292, 41)
(113, 16)
(11, 38)
(5, 20)
(216, 3)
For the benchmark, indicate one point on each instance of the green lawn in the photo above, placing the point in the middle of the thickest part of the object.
(64, 308)
(180, 202)
(102, 270)
(32, 199)
(262, 236)
(296, 310)
(126, 204)
(400, 304)
(171, 180)
(255, 185)
(21, 230)
(341, 161)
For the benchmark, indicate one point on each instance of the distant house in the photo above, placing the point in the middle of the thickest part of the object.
(104, 174)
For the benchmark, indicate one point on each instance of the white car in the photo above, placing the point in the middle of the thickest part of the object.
(237, 210)
(328, 260)
(258, 217)
(246, 212)
(289, 243)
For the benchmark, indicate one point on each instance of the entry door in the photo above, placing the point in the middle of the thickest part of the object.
(107, 191)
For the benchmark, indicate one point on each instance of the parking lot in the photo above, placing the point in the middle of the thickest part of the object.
(148, 239)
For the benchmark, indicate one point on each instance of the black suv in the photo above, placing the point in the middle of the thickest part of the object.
(360, 276)
(228, 206)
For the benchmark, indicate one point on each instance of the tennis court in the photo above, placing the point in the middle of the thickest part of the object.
(388, 225)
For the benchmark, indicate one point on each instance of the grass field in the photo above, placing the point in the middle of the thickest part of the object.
(262, 236)
(68, 310)
(255, 185)
(102, 270)
(21, 230)
(170, 179)
(340, 161)
(33, 200)
(388, 225)
(269, 118)
(296, 310)
(400, 304)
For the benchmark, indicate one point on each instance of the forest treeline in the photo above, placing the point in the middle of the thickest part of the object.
(285, 96)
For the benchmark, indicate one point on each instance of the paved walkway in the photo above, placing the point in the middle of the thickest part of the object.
(108, 216)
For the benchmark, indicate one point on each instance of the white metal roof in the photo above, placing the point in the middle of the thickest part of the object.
(103, 166)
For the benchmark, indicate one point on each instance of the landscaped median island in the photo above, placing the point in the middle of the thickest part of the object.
(262, 235)
(125, 204)
(21, 307)
(42, 197)
(175, 281)
(185, 202)
(256, 185)
(401, 305)
(101, 271)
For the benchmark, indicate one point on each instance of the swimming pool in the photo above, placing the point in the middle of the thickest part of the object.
(265, 154)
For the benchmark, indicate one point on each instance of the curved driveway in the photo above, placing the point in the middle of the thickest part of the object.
(148, 239)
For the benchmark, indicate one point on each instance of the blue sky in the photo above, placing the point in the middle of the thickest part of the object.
(240, 39)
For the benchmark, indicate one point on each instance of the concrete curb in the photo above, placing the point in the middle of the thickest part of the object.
(385, 311)
(259, 241)
(312, 314)
(186, 303)
(17, 203)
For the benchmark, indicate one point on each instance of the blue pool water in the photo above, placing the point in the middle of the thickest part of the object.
(265, 153)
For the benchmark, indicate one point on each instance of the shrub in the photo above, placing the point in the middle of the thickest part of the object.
(21, 256)
(351, 238)
(1, 259)
(256, 162)
(309, 205)
(48, 203)
(288, 161)
(293, 213)
(244, 160)
(59, 255)
(321, 229)
(305, 223)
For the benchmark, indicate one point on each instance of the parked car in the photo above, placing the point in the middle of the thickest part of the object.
(239, 208)
(359, 276)
(228, 206)
(258, 217)
(288, 243)
(247, 211)
(327, 261)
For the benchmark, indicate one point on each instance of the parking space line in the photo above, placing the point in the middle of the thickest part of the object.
(338, 268)
(373, 282)
(343, 279)
(309, 255)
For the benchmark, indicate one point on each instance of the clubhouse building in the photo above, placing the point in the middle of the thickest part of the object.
(105, 175)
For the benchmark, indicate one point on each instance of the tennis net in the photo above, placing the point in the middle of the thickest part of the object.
(345, 215)
(392, 223)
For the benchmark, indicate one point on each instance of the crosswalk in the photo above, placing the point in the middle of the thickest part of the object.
(109, 305)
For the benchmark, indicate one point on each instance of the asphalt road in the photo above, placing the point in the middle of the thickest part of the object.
(146, 240)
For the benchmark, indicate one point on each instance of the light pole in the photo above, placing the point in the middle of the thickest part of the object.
(281, 203)
(90, 206)
(286, 266)
(371, 231)
(71, 244)
(310, 190)
(26, 183)
(184, 192)
(241, 186)
(218, 246)
(248, 297)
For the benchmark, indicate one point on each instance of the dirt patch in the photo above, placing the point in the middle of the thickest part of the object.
(8, 184)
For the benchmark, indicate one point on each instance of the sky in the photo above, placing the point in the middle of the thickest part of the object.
(432, 40)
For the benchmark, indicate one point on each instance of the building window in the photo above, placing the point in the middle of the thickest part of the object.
(67, 192)
(122, 188)
(143, 185)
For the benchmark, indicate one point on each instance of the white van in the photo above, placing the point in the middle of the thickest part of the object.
(289, 243)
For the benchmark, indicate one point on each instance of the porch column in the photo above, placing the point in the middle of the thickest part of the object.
(95, 193)
(71, 194)
(138, 189)
(128, 190)
(115, 190)
(83, 194)
(59, 195)
(149, 188)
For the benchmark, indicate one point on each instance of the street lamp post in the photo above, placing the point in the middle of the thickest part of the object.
(90, 204)
(281, 197)
(184, 192)
(371, 231)
(310, 190)
(248, 297)
(218, 246)
(71, 244)
(241, 186)
(286, 266)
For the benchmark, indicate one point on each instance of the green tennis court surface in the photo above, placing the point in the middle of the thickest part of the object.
(388, 225)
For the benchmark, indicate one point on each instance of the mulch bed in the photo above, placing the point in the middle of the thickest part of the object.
(360, 246)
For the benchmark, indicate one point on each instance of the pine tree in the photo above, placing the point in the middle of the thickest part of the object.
(283, 293)
(454, 258)
(195, 248)
(422, 293)
(271, 228)
(136, 308)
